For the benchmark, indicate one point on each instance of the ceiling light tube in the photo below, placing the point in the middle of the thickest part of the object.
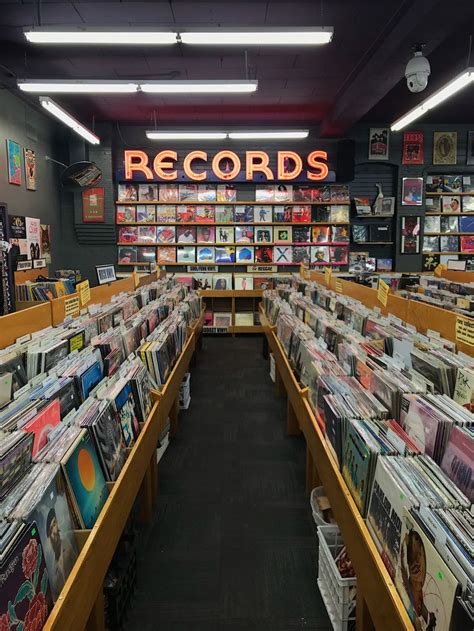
(441, 95)
(119, 37)
(186, 135)
(269, 135)
(57, 111)
(187, 87)
(78, 87)
(305, 36)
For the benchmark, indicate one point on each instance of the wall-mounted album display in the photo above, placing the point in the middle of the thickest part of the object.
(208, 223)
(410, 235)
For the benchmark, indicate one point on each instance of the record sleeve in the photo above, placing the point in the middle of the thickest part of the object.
(186, 254)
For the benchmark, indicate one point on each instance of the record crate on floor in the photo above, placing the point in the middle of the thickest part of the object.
(338, 593)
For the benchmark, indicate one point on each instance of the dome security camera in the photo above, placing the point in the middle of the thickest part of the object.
(417, 72)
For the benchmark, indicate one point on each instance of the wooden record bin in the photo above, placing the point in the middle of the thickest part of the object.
(80, 604)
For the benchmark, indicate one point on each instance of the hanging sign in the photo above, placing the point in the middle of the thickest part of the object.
(262, 268)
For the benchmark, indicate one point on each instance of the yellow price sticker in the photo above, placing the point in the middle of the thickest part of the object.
(72, 307)
(465, 330)
(339, 286)
(84, 291)
(438, 270)
(382, 292)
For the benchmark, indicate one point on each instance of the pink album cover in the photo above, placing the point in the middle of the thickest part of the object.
(42, 424)
(458, 461)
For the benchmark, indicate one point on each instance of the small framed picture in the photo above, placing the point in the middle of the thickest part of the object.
(39, 263)
(445, 147)
(378, 143)
(412, 151)
(388, 205)
(470, 148)
(24, 265)
(105, 274)
(412, 191)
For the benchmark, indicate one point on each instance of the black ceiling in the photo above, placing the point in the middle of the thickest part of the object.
(358, 76)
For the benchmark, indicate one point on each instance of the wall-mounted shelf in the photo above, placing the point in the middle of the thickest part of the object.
(446, 194)
(238, 244)
(235, 224)
(188, 202)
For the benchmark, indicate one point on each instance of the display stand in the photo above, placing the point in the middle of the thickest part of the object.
(80, 603)
(235, 301)
(378, 602)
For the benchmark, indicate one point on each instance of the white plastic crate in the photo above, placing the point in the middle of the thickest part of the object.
(272, 367)
(317, 513)
(339, 594)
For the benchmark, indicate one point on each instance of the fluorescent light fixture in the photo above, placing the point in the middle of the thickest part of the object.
(305, 36)
(78, 87)
(452, 87)
(120, 37)
(188, 87)
(269, 135)
(57, 111)
(222, 135)
(186, 135)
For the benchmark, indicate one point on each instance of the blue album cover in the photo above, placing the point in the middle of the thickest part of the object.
(86, 479)
(466, 224)
(89, 379)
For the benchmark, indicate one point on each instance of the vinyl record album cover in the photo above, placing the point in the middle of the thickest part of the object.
(207, 193)
(145, 213)
(25, 596)
(283, 254)
(148, 234)
(85, 478)
(185, 214)
(224, 234)
(168, 254)
(148, 192)
(125, 214)
(205, 214)
(205, 234)
(186, 234)
(263, 254)
(165, 213)
(244, 254)
(205, 254)
(56, 531)
(451, 204)
(282, 234)
(224, 254)
(168, 193)
(262, 214)
(166, 234)
(186, 254)
(263, 235)
(127, 254)
(224, 214)
(226, 193)
(188, 192)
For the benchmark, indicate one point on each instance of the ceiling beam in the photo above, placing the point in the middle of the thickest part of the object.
(383, 65)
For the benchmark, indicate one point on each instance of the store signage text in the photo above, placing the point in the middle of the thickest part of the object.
(226, 165)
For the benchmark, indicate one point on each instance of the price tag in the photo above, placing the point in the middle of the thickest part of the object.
(438, 270)
(465, 330)
(327, 276)
(338, 285)
(84, 292)
(382, 292)
(71, 307)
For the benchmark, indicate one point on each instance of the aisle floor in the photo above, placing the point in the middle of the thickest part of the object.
(232, 544)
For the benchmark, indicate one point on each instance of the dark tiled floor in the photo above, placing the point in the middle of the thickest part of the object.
(232, 546)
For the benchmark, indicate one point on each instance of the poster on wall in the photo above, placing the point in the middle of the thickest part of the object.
(33, 238)
(445, 147)
(410, 233)
(46, 242)
(14, 162)
(18, 236)
(93, 205)
(378, 143)
(470, 148)
(412, 147)
(30, 169)
(412, 191)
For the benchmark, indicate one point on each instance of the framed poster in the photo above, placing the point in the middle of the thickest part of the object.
(445, 147)
(470, 148)
(105, 274)
(378, 143)
(14, 162)
(33, 238)
(30, 169)
(412, 152)
(412, 191)
(46, 242)
(410, 233)
(93, 207)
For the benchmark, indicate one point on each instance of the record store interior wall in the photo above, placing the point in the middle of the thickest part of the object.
(390, 173)
(31, 129)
